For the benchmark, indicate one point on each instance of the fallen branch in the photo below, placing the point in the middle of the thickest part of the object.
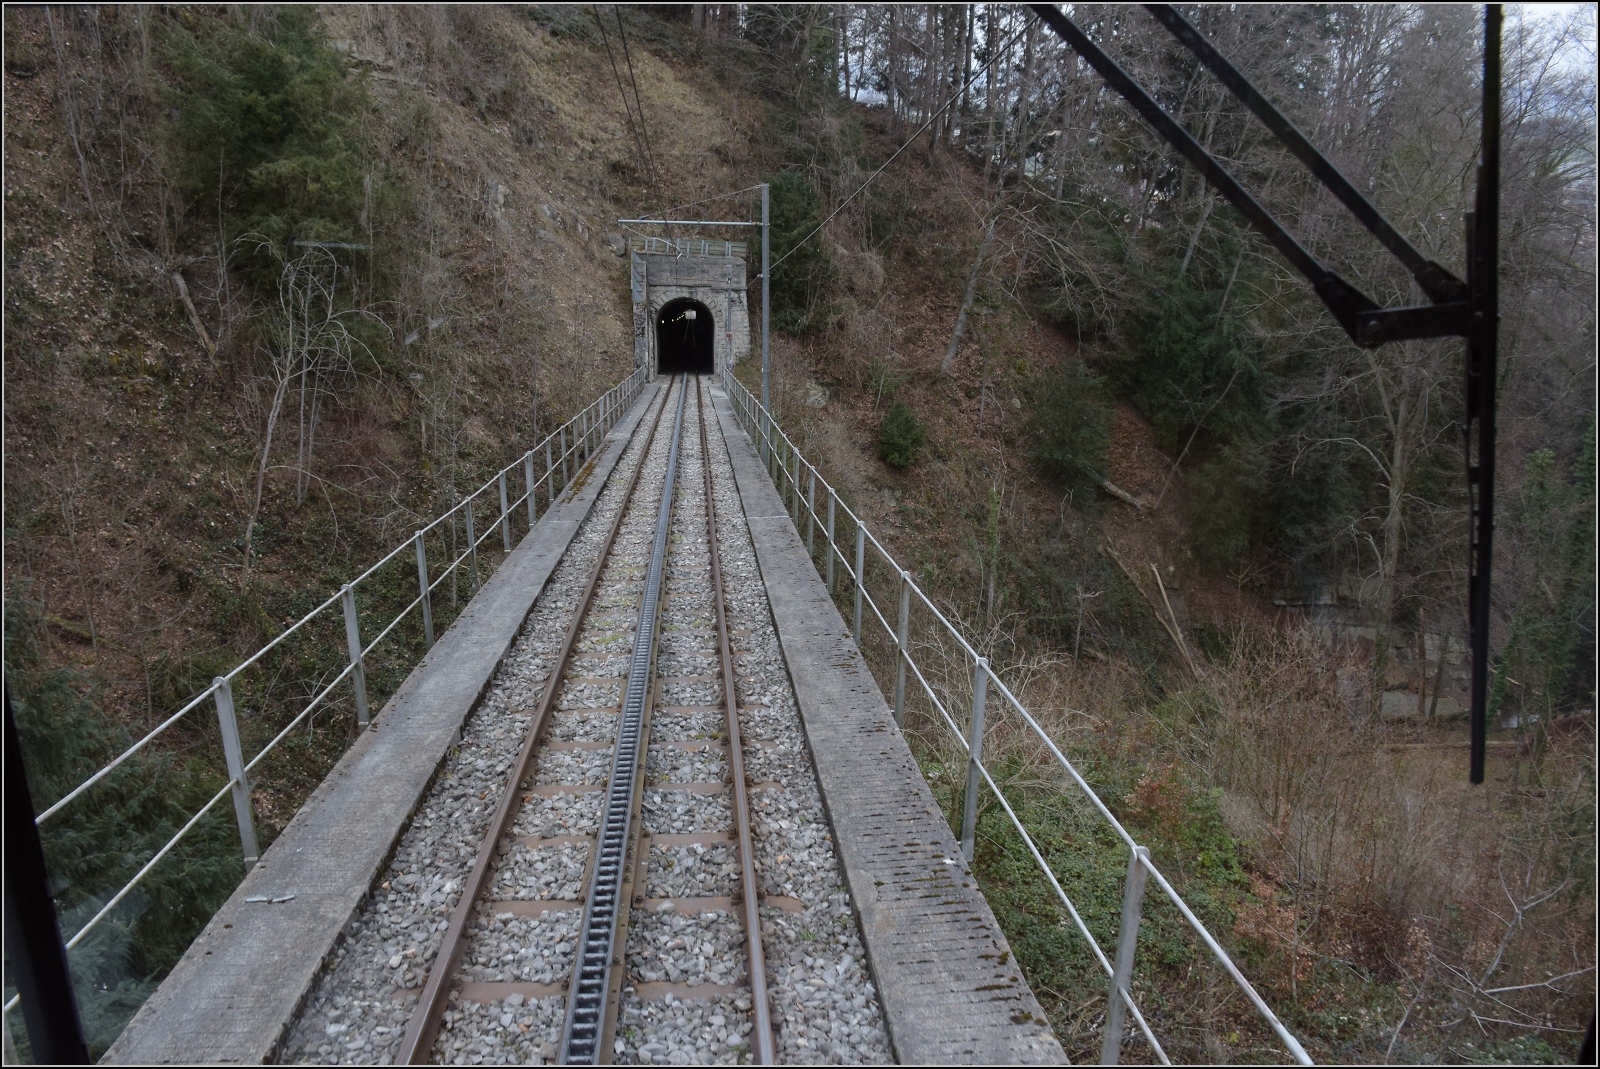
(966, 303)
(1166, 625)
(1122, 495)
(194, 315)
(1175, 630)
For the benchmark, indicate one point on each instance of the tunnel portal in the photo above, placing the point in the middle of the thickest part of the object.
(685, 338)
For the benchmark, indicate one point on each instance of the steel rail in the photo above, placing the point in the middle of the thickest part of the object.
(597, 950)
(423, 1028)
(763, 1047)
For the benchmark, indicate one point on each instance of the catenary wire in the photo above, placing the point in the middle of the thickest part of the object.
(918, 133)
(627, 109)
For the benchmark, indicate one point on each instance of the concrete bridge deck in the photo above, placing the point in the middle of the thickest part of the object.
(949, 988)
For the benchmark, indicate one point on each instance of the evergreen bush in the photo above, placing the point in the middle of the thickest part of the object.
(798, 282)
(901, 436)
(1071, 425)
(267, 131)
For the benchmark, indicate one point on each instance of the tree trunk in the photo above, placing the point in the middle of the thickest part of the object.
(1393, 533)
(261, 469)
(966, 302)
(966, 73)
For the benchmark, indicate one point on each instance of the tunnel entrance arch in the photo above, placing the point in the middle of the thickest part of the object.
(685, 338)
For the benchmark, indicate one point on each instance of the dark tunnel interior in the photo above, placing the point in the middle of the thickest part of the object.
(685, 336)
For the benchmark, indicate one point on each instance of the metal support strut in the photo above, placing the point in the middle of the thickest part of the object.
(1468, 309)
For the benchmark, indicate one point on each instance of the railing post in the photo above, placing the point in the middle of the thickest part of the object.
(427, 594)
(861, 578)
(797, 499)
(472, 546)
(811, 511)
(832, 548)
(234, 755)
(549, 476)
(527, 477)
(1127, 942)
(566, 460)
(969, 811)
(505, 514)
(900, 644)
(794, 485)
(358, 672)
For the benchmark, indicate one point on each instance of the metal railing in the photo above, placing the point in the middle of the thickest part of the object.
(564, 452)
(686, 246)
(799, 485)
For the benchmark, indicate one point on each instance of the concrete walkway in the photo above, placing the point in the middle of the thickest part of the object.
(233, 995)
(950, 988)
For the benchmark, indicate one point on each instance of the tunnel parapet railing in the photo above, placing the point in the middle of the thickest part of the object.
(686, 247)
(800, 486)
(561, 454)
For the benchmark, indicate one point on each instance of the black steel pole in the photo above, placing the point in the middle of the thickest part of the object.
(1483, 298)
(34, 952)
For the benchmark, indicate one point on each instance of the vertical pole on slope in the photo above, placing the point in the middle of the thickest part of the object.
(969, 811)
(527, 477)
(427, 594)
(566, 459)
(861, 578)
(505, 514)
(1483, 377)
(472, 546)
(549, 475)
(766, 296)
(36, 959)
(1127, 942)
(902, 635)
(832, 547)
(234, 754)
(358, 664)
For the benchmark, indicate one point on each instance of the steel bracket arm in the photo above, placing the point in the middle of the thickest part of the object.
(1460, 309)
(1367, 324)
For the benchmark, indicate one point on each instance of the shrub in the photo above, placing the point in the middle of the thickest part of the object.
(901, 436)
(1222, 511)
(1071, 425)
(1185, 362)
(267, 124)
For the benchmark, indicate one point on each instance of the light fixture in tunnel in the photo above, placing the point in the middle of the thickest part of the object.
(685, 338)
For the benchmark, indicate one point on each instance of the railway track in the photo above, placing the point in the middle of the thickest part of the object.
(626, 873)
